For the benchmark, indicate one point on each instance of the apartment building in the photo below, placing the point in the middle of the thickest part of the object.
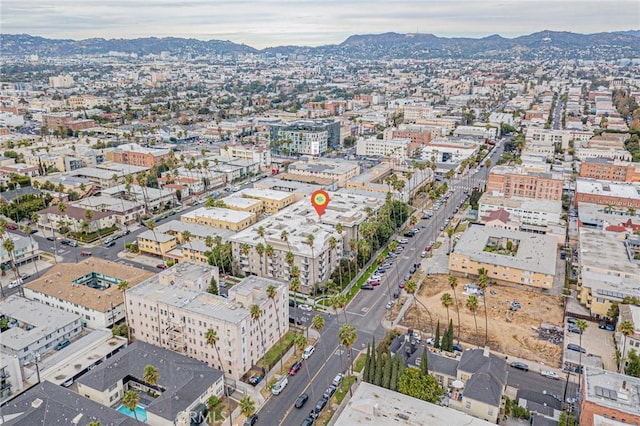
(172, 310)
(220, 218)
(419, 134)
(608, 270)
(34, 328)
(272, 200)
(307, 137)
(517, 181)
(611, 170)
(509, 256)
(449, 150)
(260, 155)
(183, 388)
(399, 148)
(560, 138)
(26, 249)
(608, 398)
(625, 344)
(88, 288)
(75, 219)
(338, 171)
(619, 196)
(125, 212)
(529, 211)
(63, 81)
(152, 199)
(156, 243)
(107, 175)
(136, 155)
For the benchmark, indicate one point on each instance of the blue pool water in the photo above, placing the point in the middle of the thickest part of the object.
(141, 413)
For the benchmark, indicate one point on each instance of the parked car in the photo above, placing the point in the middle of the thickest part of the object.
(520, 366)
(15, 283)
(574, 329)
(409, 234)
(571, 320)
(396, 294)
(295, 367)
(279, 386)
(328, 393)
(51, 238)
(251, 420)
(85, 253)
(302, 399)
(309, 350)
(305, 307)
(255, 379)
(606, 326)
(33, 231)
(338, 379)
(25, 277)
(294, 320)
(322, 402)
(110, 244)
(62, 345)
(549, 374)
(577, 348)
(12, 227)
(389, 305)
(403, 241)
(423, 254)
(161, 266)
(308, 421)
(367, 287)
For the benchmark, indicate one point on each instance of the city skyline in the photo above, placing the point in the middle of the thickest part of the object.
(270, 23)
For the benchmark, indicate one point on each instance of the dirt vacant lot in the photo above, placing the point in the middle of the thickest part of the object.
(512, 333)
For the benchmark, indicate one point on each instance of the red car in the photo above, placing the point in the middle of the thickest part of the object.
(12, 227)
(161, 266)
(295, 367)
(401, 284)
(85, 253)
(373, 282)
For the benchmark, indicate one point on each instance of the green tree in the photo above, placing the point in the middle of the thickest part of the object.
(247, 406)
(213, 287)
(633, 364)
(447, 302)
(626, 328)
(211, 337)
(386, 374)
(318, 322)
(367, 363)
(151, 375)
(347, 335)
(300, 342)
(413, 383)
(472, 305)
(131, 400)
(424, 362)
(582, 326)
(256, 313)
(453, 283)
(483, 283)
(436, 341)
(379, 371)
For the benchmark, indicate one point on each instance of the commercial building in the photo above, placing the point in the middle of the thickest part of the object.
(516, 181)
(183, 386)
(559, 138)
(172, 310)
(35, 328)
(509, 256)
(449, 150)
(529, 211)
(88, 288)
(338, 171)
(221, 218)
(608, 398)
(415, 132)
(607, 169)
(260, 155)
(608, 270)
(619, 196)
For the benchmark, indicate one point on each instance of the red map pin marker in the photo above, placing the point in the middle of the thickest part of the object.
(320, 201)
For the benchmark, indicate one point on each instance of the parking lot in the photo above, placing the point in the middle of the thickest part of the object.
(596, 342)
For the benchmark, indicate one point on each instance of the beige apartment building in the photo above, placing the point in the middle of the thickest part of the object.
(508, 256)
(339, 171)
(220, 218)
(172, 310)
(516, 181)
(273, 201)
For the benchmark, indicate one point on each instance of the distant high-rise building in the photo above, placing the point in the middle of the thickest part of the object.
(311, 137)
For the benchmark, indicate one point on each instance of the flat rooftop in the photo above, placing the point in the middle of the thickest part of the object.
(536, 252)
(240, 202)
(269, 194)
(295, 186)
(57, 282)
(610, 189)
(604, 251)
(35, 321)
(373, 405)
(221, 214)
(323, 166)
(199, 231)
(613, 390)
(526, 204)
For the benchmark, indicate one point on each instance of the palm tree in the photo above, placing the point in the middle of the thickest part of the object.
(131, 400)
(247, 406)
(152, 228)
(446, 301)
(88, 215)
(339, 301)
(151, 375)
(319, 323)
(582, 326)
(333, 244)
(347, 335)
(208, 242)
(256, 313)
(483, 283)
(260, 251)
(211, 338)
(310, 240)
(268, 253)
(10, 247)
(472, 305)
(453, 282)
(294, 287)
(244, 250)
(608, 208)
(272, 292)
(186, 237)
(410, 287)
(300, 342)
(284, 236)
(627, 329)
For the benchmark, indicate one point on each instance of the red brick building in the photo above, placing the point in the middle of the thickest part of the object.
(606, 169)
(609, 398)
(516, 182)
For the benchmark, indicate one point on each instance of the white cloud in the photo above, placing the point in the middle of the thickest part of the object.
(263, 23)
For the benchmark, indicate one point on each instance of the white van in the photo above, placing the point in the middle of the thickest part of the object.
(280, 385)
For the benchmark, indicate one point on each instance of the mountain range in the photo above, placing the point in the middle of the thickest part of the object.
(541, 45)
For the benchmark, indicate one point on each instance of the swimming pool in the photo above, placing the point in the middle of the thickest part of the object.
(141, 413)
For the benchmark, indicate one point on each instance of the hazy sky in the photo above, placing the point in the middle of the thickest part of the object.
(262, 23)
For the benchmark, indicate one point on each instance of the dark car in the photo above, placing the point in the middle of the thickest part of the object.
(409, 234)
(302, 399)
(396, 294)
(308, 421)
(293, 320)
(51, 238)
(295, 367)
(577, 348)
(457, 347)
(330, 391)
(367, 287)
(161, 266)
(520, 366)
(255, 379)
(292, 303)
(251, 420)
(33, 231)
(110, 244)
(571, 320)
(606, 326)
(321, 404)
(574, 329)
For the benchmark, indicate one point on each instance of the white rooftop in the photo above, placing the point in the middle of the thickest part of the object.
(590, 186)
(263, 193)
(613, 390)
(221, 214)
